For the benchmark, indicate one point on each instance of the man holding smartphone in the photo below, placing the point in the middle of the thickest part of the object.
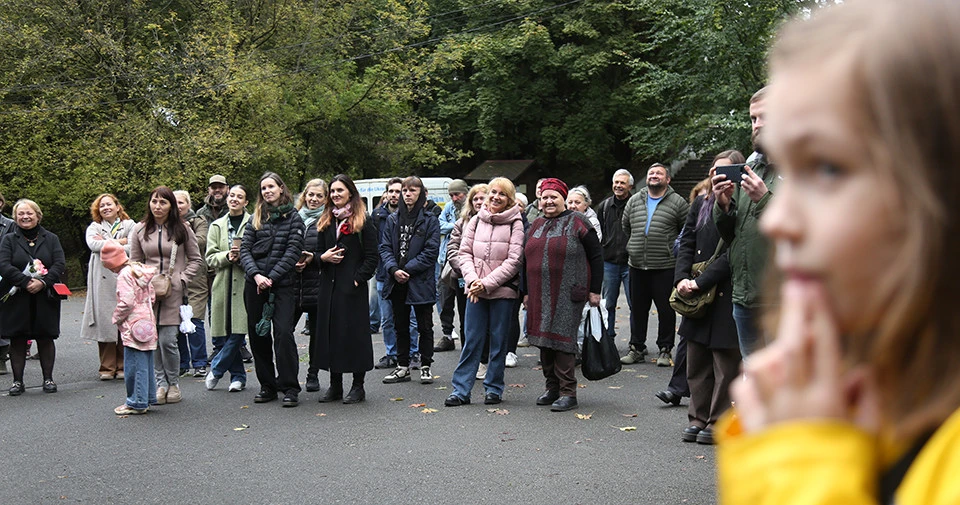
(737, 214)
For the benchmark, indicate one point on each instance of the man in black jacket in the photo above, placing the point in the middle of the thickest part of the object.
(6, 226)
(614, 245)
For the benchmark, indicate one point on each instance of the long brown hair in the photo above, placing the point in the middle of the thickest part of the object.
(358, 209)
(901, 67)
(260, 212)
(95, 208)
(174, 223)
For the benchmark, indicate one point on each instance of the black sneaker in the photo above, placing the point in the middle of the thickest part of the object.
(200, 372)
(245, 354)
(265, 396)
(290, 400)
(386, 362)
(184, 372)
(445, 344)
(16, 389)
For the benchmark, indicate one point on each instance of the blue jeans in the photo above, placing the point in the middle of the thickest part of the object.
(193, 346)
(482, 318)
(229, 360)
(138, 378)
(386, 325)
(374, 311)
(746, 320)
(614, 276)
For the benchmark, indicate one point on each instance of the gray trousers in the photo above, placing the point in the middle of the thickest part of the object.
(166, 360)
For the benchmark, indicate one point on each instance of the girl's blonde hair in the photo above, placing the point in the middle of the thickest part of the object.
(900, 60)
(467, 212)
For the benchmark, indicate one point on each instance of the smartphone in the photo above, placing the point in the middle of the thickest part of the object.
(236, 242)
(341, 246)
(303, 257)
(733, 172)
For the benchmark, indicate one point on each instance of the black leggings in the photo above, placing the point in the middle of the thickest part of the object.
(18, 356)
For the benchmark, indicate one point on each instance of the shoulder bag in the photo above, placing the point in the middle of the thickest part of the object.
(696, 306)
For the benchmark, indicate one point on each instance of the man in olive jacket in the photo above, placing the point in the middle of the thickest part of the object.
(652, 220)
(737, 214)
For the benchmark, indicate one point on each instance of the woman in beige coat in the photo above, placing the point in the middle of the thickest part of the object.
(110, 222)
(152, 243)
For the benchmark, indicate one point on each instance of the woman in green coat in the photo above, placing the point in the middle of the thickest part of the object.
(228, 317)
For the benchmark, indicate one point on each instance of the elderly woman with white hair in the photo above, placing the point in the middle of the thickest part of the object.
(578, 200)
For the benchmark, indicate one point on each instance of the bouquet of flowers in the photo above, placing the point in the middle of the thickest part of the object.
(34, 270)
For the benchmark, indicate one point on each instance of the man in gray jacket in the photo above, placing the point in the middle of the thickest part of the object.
(652, 220)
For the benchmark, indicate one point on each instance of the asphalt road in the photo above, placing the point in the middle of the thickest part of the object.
(220, 447)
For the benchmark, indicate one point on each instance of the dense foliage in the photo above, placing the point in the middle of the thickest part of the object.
(123, 95)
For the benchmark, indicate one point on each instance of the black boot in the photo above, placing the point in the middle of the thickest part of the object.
(356, 394)
(335, 391)
(313, 383)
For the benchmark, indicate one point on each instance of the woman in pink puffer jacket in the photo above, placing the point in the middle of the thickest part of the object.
(490, 256)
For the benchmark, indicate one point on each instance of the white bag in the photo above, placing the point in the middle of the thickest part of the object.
(186, 325)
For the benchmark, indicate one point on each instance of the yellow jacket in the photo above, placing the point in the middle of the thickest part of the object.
(831, 462)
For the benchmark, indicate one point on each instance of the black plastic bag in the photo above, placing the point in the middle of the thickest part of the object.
(600, 359)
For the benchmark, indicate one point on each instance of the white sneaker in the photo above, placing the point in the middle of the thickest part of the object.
(523, 342)
(236, 386)
(425, 376)
(454, 336)
(482, 372)
(511, 360)
(211, 381)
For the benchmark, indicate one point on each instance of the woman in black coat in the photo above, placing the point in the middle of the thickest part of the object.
(347, 249)
(310, 205)
(32, 312)
(713, 351)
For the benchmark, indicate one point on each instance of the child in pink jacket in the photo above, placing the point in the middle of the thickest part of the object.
(137, 325)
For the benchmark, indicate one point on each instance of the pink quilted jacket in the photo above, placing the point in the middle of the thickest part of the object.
(491, 249)
(135, 297)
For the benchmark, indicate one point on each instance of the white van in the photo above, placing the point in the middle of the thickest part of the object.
(372, 189)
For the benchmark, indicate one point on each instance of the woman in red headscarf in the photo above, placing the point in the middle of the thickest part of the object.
(564, 270)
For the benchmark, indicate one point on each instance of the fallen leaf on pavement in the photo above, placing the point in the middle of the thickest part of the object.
(321, 415)
(641, 376)
(245, 407)
(518, 385)
(417, 405)
(614, 387)
(582, 386)
(628, 370)
(584, 416)
(441, 388)
(99, 396)
(428, 411)
(627, 428)
(397, 399)
(628, 415)
(538, 368)
(701, 457)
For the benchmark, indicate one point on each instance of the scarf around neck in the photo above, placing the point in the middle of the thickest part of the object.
(310, 217)
(276, 213)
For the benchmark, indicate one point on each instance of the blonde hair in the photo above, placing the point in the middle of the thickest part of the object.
(900, 65)
(312, 183)
(506, 187)
(467, 212)
(29, 203)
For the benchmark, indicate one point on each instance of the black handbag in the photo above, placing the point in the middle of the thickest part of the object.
(600, 359)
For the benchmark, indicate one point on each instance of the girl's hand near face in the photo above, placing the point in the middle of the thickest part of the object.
(800, 375)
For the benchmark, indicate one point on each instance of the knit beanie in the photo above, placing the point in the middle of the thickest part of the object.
(112, 255)
(457, 186)
(555, 185)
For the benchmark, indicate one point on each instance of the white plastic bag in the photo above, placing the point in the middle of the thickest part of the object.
(186, 325)
(595, 323)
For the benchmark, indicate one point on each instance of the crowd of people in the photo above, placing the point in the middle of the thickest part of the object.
(846, 392)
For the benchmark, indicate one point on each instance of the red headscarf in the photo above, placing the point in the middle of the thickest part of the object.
(555, 185)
